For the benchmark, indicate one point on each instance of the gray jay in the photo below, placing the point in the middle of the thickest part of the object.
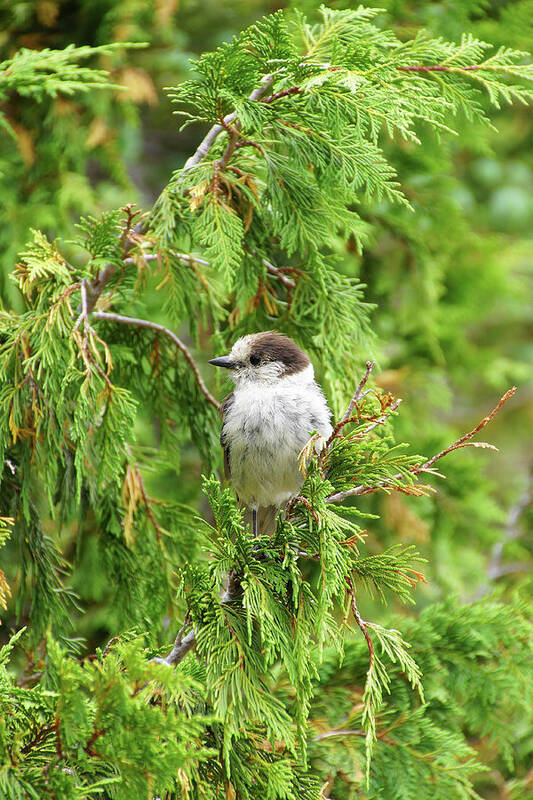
(267, 420)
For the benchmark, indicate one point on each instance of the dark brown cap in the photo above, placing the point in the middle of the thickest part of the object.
(273, 346)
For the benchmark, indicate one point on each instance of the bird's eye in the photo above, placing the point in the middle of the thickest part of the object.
(254, 360)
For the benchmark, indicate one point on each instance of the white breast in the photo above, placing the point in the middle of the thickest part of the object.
(265, 427)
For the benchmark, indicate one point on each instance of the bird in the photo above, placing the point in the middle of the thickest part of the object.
(267, 420)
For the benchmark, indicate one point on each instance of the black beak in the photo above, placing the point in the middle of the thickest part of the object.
(223, 361)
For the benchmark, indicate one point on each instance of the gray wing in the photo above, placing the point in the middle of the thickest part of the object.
(224, 408)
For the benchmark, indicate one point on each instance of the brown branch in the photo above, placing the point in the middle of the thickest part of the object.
(41, 734)
(295, 126)
(92, 739)
(357, 394)
(438, 68)
(250, 143)
(360, 621)
(459, 442)
(145, 323)
(59, 750)
(463, 441)
(287, 282)
(285, 93)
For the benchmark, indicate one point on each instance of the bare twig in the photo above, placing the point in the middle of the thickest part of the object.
(463, 441)
(145, 323)
(360, 621)
(460, 442)
(441, 68)
(290, 284)
(277, 271)
(183, 644)
(339, 732)
(357, 394)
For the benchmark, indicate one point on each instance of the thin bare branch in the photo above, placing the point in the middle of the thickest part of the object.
(360, 621)
(463, 441)
(459, 442)
(357, 394)
(145, 323)
(339, 732)
(290, 284)
(182, 646)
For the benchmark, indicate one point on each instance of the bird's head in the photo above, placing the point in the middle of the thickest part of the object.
(265, 358)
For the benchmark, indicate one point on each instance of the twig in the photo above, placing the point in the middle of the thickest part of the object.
(290, 284)
(463, 441)
(183, 644)
(360, 621)
(347, 416)
(339, 732)
(357, 394)
(459, 442)
(277, 271)
(145, 323)
(285, 93)
(440, 68)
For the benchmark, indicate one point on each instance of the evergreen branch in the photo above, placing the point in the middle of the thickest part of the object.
(183, 644)
(209, 139)
(145, 323)
(277, 271)
(463, 441)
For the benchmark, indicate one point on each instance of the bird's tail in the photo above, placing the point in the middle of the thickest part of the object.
(266, 519)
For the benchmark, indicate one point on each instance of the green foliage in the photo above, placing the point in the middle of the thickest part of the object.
(35, 73)
(331, 129)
